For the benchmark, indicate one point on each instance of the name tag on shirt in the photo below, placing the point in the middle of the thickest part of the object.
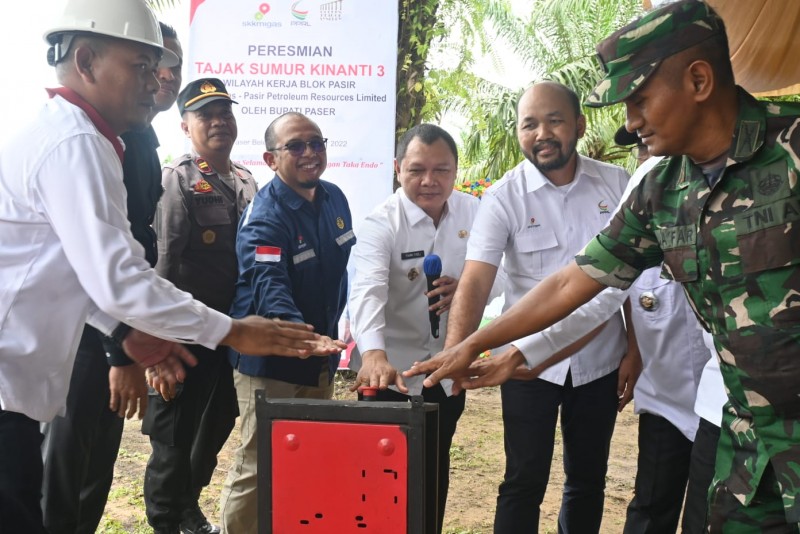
(304, 256)
(412, 255)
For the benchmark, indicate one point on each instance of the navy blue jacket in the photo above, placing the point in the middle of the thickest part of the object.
(299, 274)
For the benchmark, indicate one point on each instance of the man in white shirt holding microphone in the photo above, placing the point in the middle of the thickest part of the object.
(420, 230)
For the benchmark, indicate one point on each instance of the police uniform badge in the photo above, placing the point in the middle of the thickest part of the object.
(209, 236)
(413, 274)
(203, 187)
(462, 234)
(203, 165)
(648, 301)
(339, 223)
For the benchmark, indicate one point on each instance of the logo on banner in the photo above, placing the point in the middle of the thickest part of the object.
(259, 18)
(331, 11)
(263, 9)
(300, 14)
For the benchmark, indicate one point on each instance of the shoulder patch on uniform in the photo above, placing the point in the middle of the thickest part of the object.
(203, 165)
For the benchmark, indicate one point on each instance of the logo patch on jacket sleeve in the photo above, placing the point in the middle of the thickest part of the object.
(267, 254)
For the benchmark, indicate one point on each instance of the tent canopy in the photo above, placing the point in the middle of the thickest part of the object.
(762, 35)
(763, 38)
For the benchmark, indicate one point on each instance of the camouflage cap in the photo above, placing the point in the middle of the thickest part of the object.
(632, 53)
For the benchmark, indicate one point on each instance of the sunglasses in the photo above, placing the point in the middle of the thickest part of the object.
(297, 148)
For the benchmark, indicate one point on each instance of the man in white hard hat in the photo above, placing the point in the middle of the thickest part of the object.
(68, 253)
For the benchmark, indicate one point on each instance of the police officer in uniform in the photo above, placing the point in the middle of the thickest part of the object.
(204, 195)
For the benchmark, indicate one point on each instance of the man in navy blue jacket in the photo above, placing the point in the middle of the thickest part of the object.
(293, 245)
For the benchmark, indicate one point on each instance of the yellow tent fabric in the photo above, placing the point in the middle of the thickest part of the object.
(764, 42)
(763, 38)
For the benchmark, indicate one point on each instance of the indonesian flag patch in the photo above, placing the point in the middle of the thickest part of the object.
(268, 254)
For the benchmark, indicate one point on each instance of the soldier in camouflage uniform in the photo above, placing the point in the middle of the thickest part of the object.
(722, 215)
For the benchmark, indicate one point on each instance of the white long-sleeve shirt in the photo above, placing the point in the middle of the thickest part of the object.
(669, 338)
(536, 228)
(68, 257)
(540, 346)
(388, 306)
(711, 393)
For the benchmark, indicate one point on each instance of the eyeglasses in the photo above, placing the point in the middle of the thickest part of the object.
(297, 148)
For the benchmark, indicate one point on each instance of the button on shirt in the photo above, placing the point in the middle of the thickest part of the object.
(388, 307)
(535, 228)
(68, 254)
(292, 265)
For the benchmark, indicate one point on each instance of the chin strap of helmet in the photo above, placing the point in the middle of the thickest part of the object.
(59, 49)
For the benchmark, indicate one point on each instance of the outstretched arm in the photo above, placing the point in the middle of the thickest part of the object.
(556, 297)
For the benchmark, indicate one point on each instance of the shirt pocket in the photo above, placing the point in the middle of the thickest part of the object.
(769, 235)
(533, 250)
(655, 300)
(768, 238)
(213, 215)
(680, 264)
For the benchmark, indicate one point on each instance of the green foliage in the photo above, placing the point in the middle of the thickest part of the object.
(556, 41)
(419, 26)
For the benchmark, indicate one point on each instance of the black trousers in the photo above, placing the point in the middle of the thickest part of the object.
(80, 449)
(186, 434)
(701, 473)
(450, 410)
(661, 475)
(530, 412)
(20, 474)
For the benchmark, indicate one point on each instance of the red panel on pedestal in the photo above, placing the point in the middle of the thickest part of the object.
(341, 478)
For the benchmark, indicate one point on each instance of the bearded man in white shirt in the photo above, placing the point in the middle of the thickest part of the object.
(388, 294)
(68, 253)
(534, 220)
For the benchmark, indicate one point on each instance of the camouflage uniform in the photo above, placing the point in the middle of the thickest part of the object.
(736, 249)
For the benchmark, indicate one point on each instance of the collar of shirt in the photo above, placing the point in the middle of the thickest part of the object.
(748, 134)
(99, 122)
(415, 214)
(534, 179)
(289, 197)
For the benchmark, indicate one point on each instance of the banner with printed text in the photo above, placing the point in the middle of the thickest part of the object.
(333, 61)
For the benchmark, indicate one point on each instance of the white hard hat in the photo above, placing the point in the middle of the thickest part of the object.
(124, 19)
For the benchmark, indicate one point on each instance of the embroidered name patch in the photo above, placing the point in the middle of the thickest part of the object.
(412, 255)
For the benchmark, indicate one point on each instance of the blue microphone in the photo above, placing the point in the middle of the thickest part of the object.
(432, 267)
